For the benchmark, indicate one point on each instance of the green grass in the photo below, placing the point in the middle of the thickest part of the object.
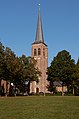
(39, 107)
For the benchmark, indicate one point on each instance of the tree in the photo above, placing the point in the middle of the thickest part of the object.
(30, 73)
(9, 67)
(61, 69)
(76, 79)
(15, 69)
(74, 87)
(2, 61)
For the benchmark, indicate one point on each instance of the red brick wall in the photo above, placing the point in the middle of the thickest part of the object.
(42, 64)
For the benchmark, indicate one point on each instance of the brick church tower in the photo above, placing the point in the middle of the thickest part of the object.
(40, 53)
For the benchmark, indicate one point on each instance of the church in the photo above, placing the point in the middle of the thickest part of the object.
(40, 54)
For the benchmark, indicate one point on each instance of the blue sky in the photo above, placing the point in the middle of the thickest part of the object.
(60, 22)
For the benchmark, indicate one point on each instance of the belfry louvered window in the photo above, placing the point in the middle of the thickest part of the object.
(39, 51)
(44, 52)
(35, 52)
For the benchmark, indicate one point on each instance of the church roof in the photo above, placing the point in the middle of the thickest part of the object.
(39, 31)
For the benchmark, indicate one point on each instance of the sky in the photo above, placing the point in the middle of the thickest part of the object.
(60, 22)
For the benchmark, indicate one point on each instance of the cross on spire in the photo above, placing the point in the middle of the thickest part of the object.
(39, 6)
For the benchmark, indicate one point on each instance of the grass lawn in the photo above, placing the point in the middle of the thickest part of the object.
(49, 107)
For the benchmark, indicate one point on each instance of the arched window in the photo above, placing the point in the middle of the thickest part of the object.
(35, 52)
(39, 51)
(44, 52)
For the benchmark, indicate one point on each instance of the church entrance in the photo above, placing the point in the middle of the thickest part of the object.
(37, 90)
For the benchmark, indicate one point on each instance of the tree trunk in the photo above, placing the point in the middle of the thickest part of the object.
(73, 88)
(73, 91)
(62, 91)
(6, 88)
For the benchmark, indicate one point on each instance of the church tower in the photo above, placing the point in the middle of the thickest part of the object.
(40, 54)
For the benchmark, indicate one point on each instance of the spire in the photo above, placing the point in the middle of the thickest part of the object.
(39, 31)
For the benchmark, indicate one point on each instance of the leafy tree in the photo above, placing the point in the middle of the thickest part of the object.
(76, 79)
(17, 69)
(9, 68)
(30, 73)
(61, 69)
(74, 87)
(2, 61)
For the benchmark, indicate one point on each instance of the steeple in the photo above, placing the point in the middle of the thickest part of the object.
(40, 54)
(39, 31)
